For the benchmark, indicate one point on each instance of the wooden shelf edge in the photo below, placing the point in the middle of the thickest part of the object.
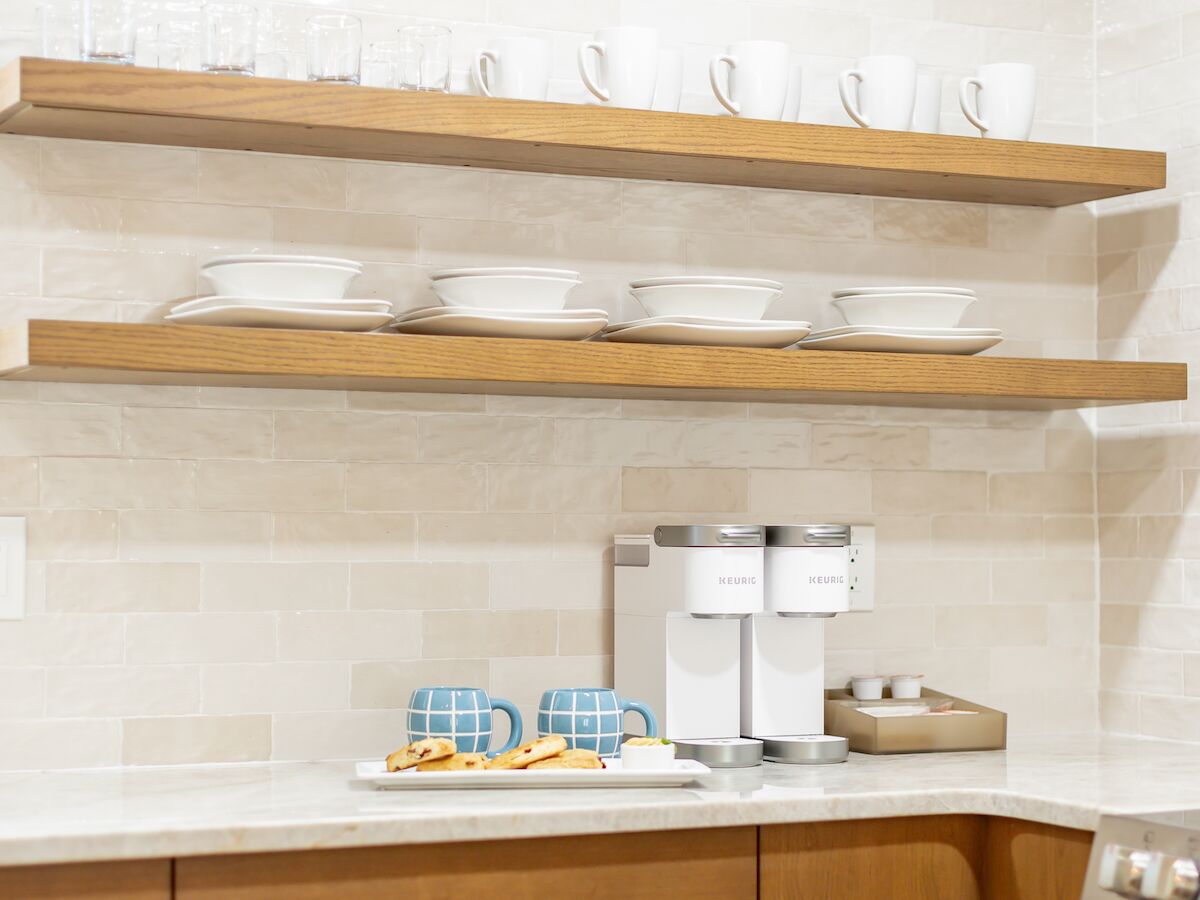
(45, 350)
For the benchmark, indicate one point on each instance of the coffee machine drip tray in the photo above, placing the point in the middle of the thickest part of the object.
(805, 749)
(721, 753)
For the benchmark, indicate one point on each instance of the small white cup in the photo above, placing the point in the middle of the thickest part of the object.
(927, 110)
(647, 758)
(1005, 95)
(906, 687)
(867, 687)
(668, 88)
(758, 78)
(513, 67)
(626, 66)
(886, 94)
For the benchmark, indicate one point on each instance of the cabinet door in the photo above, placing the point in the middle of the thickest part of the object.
(707, 864)
(133, 880)
(1031, 861)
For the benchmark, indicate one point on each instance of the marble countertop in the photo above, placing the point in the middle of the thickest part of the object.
(186, 811)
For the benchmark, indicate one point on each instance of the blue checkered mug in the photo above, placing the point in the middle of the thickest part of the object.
(590, 718)
(462, 714)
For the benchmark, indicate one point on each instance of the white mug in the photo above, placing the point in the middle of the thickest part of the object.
(514, 67)
(668, 88)
(758, 78)
(927, 110)
(791, 105)
(1005, 94)
(887, 88)
(626, 66)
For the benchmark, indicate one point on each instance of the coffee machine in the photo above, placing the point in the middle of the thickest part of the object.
(720, 628)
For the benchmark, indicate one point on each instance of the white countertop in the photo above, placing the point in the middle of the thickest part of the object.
(186, 811)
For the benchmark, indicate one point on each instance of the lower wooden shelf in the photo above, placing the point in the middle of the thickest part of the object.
(105, 352)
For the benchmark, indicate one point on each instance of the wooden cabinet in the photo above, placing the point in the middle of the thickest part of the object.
(148, 879)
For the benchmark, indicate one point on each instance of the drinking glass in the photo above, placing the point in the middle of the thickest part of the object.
(380, 63)
(334, 49)
(108, 31)
(59, 31)
(425, 58)
(179, 46)
(230, 43)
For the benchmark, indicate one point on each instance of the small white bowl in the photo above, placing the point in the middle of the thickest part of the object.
(528, 271)
(510, 292)
(907, 289)
(723, 301)
(654, 756)
(283, 258)
(280, 280)
(904, 310)
(736, 280)
(906, 687)
(867, 687)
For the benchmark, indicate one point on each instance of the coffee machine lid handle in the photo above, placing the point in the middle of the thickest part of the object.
(709, 535)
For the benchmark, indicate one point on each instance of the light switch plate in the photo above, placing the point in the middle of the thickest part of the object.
(12, 567)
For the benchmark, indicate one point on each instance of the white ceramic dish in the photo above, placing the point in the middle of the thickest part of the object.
(733, 280)
(910, 310)
(712, 321)
(893, 711)
(728, 301)
(902, 289)
(614, 775)
(466, 324)
(906, 687)
(283, 258)
(375, 306)
(652, 757)
(867, 687)
(911, 332)
(869, 340)
(516, 293)
(652, 331)
(281, 280)
(428, 312)
(527, 271)
(283, 317)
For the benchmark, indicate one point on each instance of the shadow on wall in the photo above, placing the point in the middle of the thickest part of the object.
(1134, 256)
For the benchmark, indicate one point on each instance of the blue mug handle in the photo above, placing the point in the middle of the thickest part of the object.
(514, 719)
(645, 712)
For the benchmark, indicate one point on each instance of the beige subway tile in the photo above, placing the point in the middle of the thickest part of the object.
(58, 640)
(1139, 492)
(1191, 674)
(398, 402)
(500, 439)
(377, 237)
(1132, 668)
(588, 407)
(205, 228)
(1136, 48)
(386, 486)
(268, 180)
(553, 199)
(118, 394)
(22, 693)
(688, 207)
(124, 275)
(345, 436)
(273, 398)
(43, 744)
(585, 632)
(994, 449)
(930, 493)
(885, 628)
(1068, 229)
(418, 585)
(193, 535)
(118, 483)
(197, 433)
(53, 429)
(1040, 492)
(589, 536)
(438, 191)
(70, 534)
(349, 635)
(988, 536)
(523, 680)
(275, 687)
(682, 409)
(1162, 537)
(822, 216)
(1169, 628)
(1037, 667)
(756, 443)
(118, 170)
(95, 692)
(554, 488)
(1069, 450)
(237, 586)
(1070, 537)
(976, 625)
(200, 638)
(390, 685)
(176, 740)
(911, 582)
(829, 491)
(1044, 581)
(484, 536)
(20, 163)
(346, 734)
(1118, 536)
(489, 634)
(1173, 718)
(684, 490)
(351, 536)
(1065, 56)
(813, 31)
(1072, 624)
(20, 270)
(18, 481)
(561, 584)
(449, 242)
(274, 486)
(627, 251)
(1119, 712)
(1120, 625)
(866, 447)
(91, 587)
(926, 222)
(626, 442)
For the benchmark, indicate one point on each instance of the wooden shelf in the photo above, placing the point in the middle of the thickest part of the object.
(174, 354)
(114, 103)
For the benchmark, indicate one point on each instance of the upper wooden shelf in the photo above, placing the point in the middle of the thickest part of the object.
(114, 103)
(250, 357)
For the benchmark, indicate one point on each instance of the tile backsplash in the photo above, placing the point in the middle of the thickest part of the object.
(231, 574)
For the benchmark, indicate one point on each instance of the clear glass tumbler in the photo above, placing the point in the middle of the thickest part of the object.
(380, 63)
(180, 47)
(230, 39)
(334, 49)
(107, 31)
(59, 27)
(425, 58)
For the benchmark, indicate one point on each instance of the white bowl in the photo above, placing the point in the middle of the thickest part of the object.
(509, 292)
(655, 756)
(911, 289)
(867, 687)
(438, 274)
(904, 310)
(281, 280)
(725, 301)
(707, 279)
(283, 258)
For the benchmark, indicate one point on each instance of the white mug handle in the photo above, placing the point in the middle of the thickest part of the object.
(852, 104)
(964, 100)
(484, 55)
(713, 66)
(597, 48)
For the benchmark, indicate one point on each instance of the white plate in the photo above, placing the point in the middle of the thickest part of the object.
(516, 293)
(726, 301)
(527, 271)
(909, 289)
(552, 314)
(883, 342)
(375, 306)
(657, 332)
(908, 332)
(283, 317)
(732, 280)
(283, 258)
(469, 325)
(612, 776)
(709, 320)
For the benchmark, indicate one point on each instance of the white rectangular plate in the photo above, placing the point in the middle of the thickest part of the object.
(685, 771)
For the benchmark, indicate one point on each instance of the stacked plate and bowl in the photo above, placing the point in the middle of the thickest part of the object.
(504, 301)
(276, 291)
(903, 320)
(707, 310)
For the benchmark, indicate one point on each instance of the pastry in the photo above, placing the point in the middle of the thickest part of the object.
(459, 762)
(570, 759)
(542, 748)
(419, 751)
(645, 742)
